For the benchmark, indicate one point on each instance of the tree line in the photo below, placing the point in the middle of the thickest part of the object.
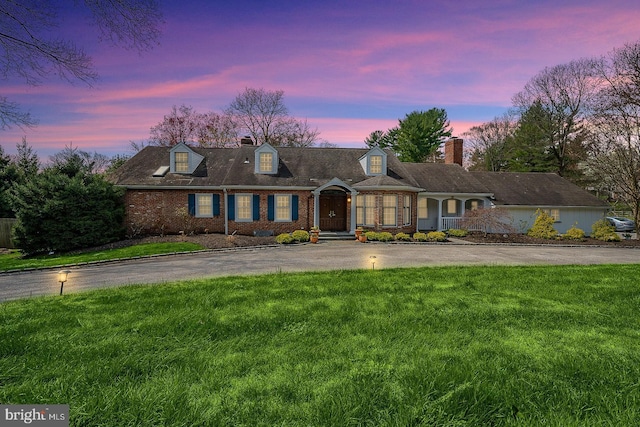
(256, 114)
(580, 120)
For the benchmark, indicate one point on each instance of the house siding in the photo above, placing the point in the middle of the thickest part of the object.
(583, 218)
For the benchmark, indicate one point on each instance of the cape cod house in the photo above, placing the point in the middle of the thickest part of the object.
(264, 190)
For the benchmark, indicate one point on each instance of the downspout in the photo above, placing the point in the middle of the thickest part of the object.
(226, 213)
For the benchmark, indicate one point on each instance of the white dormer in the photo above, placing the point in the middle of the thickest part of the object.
(184, 160)
(266, 161)
(374, 162)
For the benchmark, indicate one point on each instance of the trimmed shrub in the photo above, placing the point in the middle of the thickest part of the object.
(371, 235)
(300, 236)
(604, 231)
(543, 226)
(457, 232)
(420, 237)
(403, 237)
(284, 238)
(385, 236)
(574, 233)
(436, 236)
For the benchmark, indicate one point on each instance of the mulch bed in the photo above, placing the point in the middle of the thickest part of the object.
(524, 239)
(221, 241)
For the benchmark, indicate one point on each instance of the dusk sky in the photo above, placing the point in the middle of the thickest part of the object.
(348, 67)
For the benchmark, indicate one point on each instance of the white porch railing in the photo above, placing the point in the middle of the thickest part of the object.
(456, 222)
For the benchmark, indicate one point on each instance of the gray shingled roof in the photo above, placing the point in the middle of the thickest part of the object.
(298, 167)
(537, 189)
(445, 178)
(312, 167)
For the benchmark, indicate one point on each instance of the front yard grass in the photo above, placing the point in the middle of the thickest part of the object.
(556, 345)
(14, 261)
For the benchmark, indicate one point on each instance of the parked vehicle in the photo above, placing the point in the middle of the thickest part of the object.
(621, 223)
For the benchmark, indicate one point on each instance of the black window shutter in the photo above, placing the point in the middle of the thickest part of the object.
(294, 207)
(192, 204)
(216, 205)
(231, 207)
(256, 207)
(271, 208)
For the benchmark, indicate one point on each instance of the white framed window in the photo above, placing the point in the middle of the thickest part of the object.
(474, 205)
(406, 210)
(365, 209)
(204, 205)
(423, 208)
(553, 213)
(452, 207)
(266, 162)
(244, 209)
(375, 164)
(283, 207)
(182, 162)
(389, 210)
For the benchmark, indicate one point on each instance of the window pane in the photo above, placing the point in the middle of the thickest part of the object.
(452, 206)
(243, 207)
(423, 211)
(365, 206)
(389, 203)
(204, 207)
(283, 208)
(406, 210)
(266, 162)
(182, 162)
(375, 165)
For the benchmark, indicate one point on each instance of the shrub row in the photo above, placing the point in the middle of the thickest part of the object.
(385, 236)
(298, 236)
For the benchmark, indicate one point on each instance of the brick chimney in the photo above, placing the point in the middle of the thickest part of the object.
(453, 151)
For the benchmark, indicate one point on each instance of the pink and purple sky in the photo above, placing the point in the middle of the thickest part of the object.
(348, 67)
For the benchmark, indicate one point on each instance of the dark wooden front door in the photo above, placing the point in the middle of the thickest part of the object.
(333, 211)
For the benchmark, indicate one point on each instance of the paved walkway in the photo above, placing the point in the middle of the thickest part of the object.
(326, 255)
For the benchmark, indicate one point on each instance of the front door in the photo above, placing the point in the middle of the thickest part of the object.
(333, 211)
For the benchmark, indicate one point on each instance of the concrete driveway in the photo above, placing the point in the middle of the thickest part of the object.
(326, 255)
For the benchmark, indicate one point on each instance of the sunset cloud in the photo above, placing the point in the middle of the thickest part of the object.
(348, 68)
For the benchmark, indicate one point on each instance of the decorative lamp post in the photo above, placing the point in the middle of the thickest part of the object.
(62, 277)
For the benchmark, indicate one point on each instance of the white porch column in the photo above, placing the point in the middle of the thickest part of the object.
(439, 227)
(316, 210)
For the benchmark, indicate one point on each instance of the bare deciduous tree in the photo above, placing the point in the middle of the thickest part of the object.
(185, 125)
(263, 115)
(615, 160)
(488, 143)
(31, 51)
(489, 220)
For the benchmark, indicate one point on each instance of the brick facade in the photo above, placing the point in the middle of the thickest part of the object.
(166, 212)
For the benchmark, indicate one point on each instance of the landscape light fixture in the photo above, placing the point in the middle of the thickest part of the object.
(373, 262)
(62, 277)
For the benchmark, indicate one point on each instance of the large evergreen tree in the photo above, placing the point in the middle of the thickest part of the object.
(66, 207)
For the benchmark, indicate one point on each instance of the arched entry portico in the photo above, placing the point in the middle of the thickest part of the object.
(333, 207)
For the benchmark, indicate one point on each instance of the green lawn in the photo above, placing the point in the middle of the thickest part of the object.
(445, 346)
(14, 260)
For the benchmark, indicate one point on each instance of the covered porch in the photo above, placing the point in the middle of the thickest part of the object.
(444, 212)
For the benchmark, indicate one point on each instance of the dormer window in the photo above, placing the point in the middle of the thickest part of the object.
(375, 164)
(183, 159)
(266, 160)
(182, 162)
